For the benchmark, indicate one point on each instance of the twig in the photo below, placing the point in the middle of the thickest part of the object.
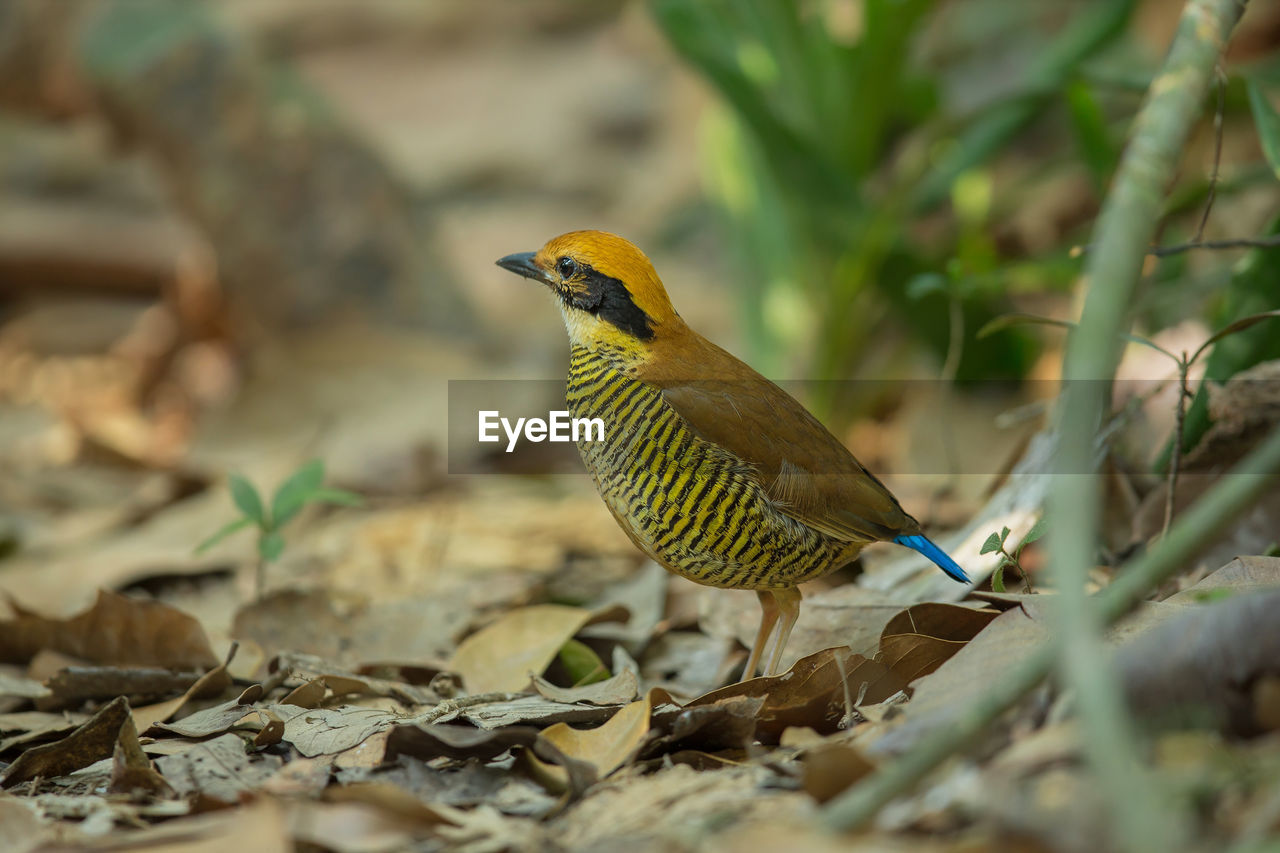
(1229, 497)
(1178, 248)
(1221, 79)
(1175, 465)
(1242, 243)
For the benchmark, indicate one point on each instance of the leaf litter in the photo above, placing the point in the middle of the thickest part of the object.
(485, 711)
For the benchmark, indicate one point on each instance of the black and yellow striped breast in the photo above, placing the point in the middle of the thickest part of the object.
(689, 504)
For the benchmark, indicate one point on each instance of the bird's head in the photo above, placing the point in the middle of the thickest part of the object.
(608, 290)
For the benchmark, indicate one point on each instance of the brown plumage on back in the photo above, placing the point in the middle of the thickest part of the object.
(711, 469)
(798, 461)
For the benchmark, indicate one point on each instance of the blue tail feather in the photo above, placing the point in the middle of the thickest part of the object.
(933, 552)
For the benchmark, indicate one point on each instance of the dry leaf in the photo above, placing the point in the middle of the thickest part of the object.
(829, 768)
(503, 656)
(922, 637)
(726, 724)
(324, 731)
(617, 690)
(1200, 665)
(818, 692)
(115, 630)
(1243, 574)
(210, 721)
(529, 709)
(21, 687)
(26, 726)
(93, 741)
(944, 693)
(209, 685)
(131, 770)
(20, 826)
(460, 742)
(307, 695)
(219, 769)
(607, 747)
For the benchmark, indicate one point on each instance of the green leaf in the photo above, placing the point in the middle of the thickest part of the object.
(997, 578)
(1267, 121)
(291, 497)
(341, 497)
(926, 283)
(583, 665)
(248, 501)
(1093, 139)
(1037, 530)
(991, 545)
(1238, 326)
(271, 546)
(1004, 535)
(227, 529)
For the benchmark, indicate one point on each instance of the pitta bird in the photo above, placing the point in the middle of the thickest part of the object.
(712, 470)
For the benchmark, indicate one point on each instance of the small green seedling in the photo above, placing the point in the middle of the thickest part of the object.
(996, 543)
(305, 486)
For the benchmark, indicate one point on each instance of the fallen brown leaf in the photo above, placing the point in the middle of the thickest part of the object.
(131, 770)
(922, 637)
(727, 724)
(503, 656)
(91, 742)
(212, 683)
(218, 769)
(944, 693)
(214, 720)
(1201, 664)
(617, 690)
(818, 692)
(115, 630)
(324, 731)
(605, 748)
(460, 742)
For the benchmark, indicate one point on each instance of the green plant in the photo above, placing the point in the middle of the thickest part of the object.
(832, 145)
(996, 543)
(302, 488)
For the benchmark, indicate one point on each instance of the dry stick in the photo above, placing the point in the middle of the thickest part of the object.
(1231, 496)
(1242, 243)
(1125, 226)
(1175, 464)
(1221, 79)
(1178, 248)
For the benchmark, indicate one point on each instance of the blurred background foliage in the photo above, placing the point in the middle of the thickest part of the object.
(834, 189)
(871, 160)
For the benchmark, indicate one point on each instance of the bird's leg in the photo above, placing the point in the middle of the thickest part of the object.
(768, 616)
(787, 602)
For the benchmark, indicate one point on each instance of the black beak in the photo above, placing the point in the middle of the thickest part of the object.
(521, 263)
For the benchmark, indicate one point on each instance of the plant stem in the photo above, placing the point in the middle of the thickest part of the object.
(1125, 229)
(1229, 497)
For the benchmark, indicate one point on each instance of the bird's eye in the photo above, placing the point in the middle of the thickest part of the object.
(566, 267)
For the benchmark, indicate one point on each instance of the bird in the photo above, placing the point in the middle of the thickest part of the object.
(712, 470)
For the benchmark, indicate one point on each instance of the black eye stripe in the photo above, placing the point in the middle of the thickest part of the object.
(609, 299)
